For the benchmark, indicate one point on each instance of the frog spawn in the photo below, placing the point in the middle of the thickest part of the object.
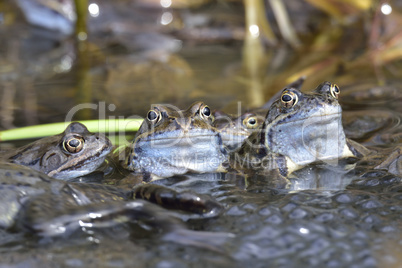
(34, 202)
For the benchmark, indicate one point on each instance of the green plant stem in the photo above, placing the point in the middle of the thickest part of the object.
(117, 125)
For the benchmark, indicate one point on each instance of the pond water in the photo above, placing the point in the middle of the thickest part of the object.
(332, 216)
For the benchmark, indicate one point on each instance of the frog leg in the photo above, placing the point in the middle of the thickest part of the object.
(355, 149)
(393, 163)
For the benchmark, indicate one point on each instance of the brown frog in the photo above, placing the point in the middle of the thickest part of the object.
(234, 130)
(73, 153)
(172, 142)
(299, 129)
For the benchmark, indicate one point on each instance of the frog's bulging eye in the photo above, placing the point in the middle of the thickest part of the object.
(335, 90)
(153, 116)
(250, 122)
(205, 111)
(73, 144)
(289, 99)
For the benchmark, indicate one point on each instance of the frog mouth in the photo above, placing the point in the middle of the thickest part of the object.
(325, 117)
(79, 165)
(179, 136)
(198, 141)
(182, 137)
(97, 157)
(319, 118)
(235, 137)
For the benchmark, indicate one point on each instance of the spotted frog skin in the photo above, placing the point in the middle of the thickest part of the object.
(73, 153)
(299, 129)
(173, 142)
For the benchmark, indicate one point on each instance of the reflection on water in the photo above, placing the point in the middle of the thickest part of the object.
(325, 177)
(140, 53)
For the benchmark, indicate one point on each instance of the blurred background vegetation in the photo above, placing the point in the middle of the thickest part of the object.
(124, 55)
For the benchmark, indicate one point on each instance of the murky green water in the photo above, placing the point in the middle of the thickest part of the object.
(332, 217)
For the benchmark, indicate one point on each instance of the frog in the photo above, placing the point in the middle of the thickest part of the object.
(378, 129)
(372, 126)
(172, 142)
(366, 94)
(299, 129)
(235, 129)
(70, 154)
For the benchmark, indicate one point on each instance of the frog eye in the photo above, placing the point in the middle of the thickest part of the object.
(73, 144)
(250, 122)
(153, 116)
(289, 99)
(205, 111)
(335, 90)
